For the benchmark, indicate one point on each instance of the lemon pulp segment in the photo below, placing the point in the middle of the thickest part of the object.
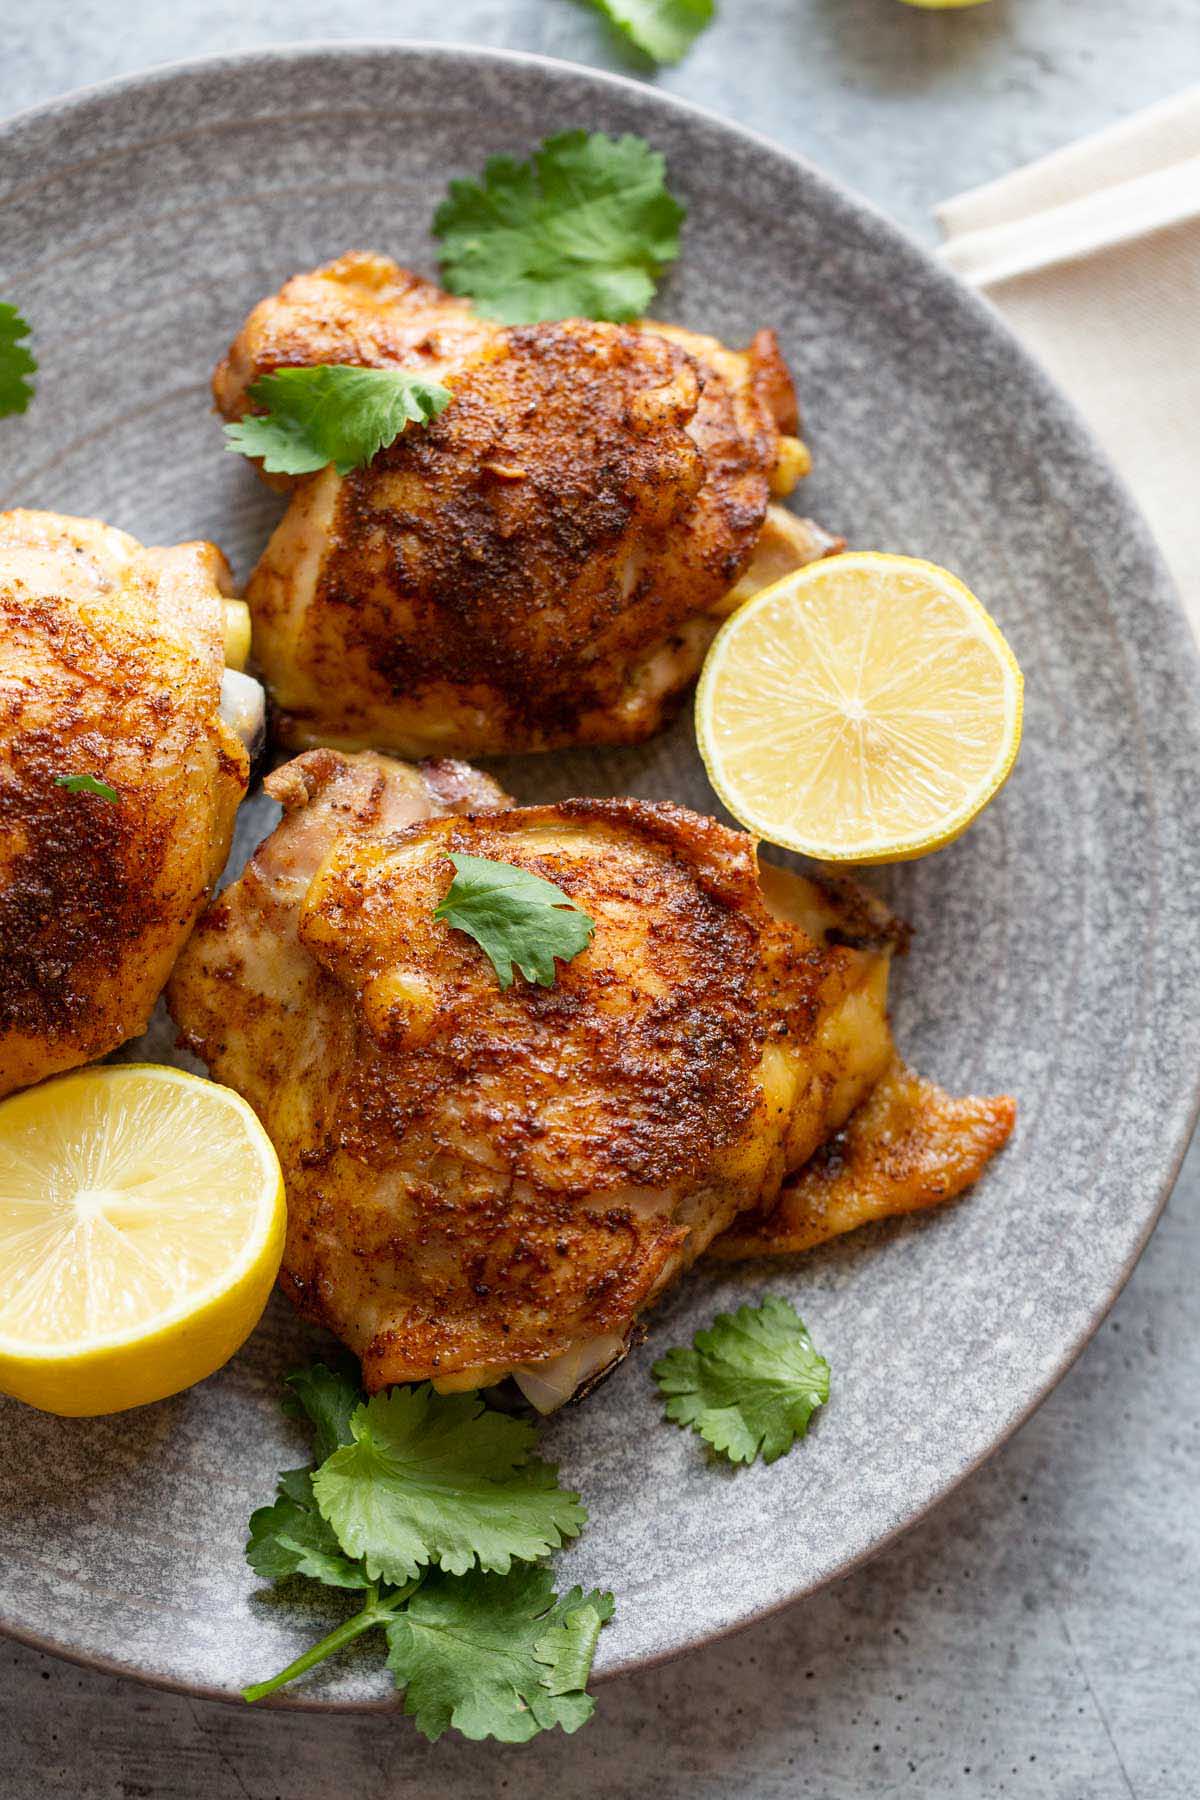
(863, 709)
(141, 1229)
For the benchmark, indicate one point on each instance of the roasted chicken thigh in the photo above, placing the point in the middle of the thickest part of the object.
(484, 1182)
(547, 561)
(119, 777)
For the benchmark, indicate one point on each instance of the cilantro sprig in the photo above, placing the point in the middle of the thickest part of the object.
(663, 30)
(436, 1484)
(87, 784)
(331, 413)
(750, 1384)
(516, 917)
(585, 229)
(17, 362)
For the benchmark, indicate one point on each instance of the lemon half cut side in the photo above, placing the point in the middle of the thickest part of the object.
(141, 1229)
(864, 709)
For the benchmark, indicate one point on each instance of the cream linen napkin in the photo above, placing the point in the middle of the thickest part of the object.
(1093, 257)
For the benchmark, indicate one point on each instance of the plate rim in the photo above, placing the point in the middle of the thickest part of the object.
(1181, 1110)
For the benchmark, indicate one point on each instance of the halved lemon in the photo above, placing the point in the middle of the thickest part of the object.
(141, 1229)
(863, 709)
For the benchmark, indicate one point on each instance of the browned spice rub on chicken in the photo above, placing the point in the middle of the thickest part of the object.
(111, 667)
(486, 1182)
(547, 561)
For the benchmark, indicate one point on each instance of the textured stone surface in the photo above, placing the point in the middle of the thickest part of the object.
(1068, 1640)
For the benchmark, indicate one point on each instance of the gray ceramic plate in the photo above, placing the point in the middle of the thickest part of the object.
(1056, 946)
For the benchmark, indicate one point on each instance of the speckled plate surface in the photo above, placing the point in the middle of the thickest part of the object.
(1055, 953)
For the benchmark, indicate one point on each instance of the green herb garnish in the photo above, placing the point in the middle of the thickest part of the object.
(328, 1399)
(440, 1478)
(496, 1656)
(17, 362)
(86, 784)
(750, 1384)
(515, 917)
(663, 30)
(583, 230)
(411, 1479)
(292, 1537)
(332, 413)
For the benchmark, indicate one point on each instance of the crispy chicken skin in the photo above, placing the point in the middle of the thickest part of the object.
(484, 1182)
(547, 561)
(908, 1145)
(111, 665)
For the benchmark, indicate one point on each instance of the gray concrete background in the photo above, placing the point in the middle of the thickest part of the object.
(1037, 1637)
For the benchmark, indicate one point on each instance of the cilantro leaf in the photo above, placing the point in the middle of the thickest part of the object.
(515, 917)
(569, 1646)
(663, 30)
(17, 362)
(496, 1656)
(86, 784)
(328, 1398)
(439, 1478)
(751, 1383)
(332, 413)
(292, 1538)
(585, 229)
